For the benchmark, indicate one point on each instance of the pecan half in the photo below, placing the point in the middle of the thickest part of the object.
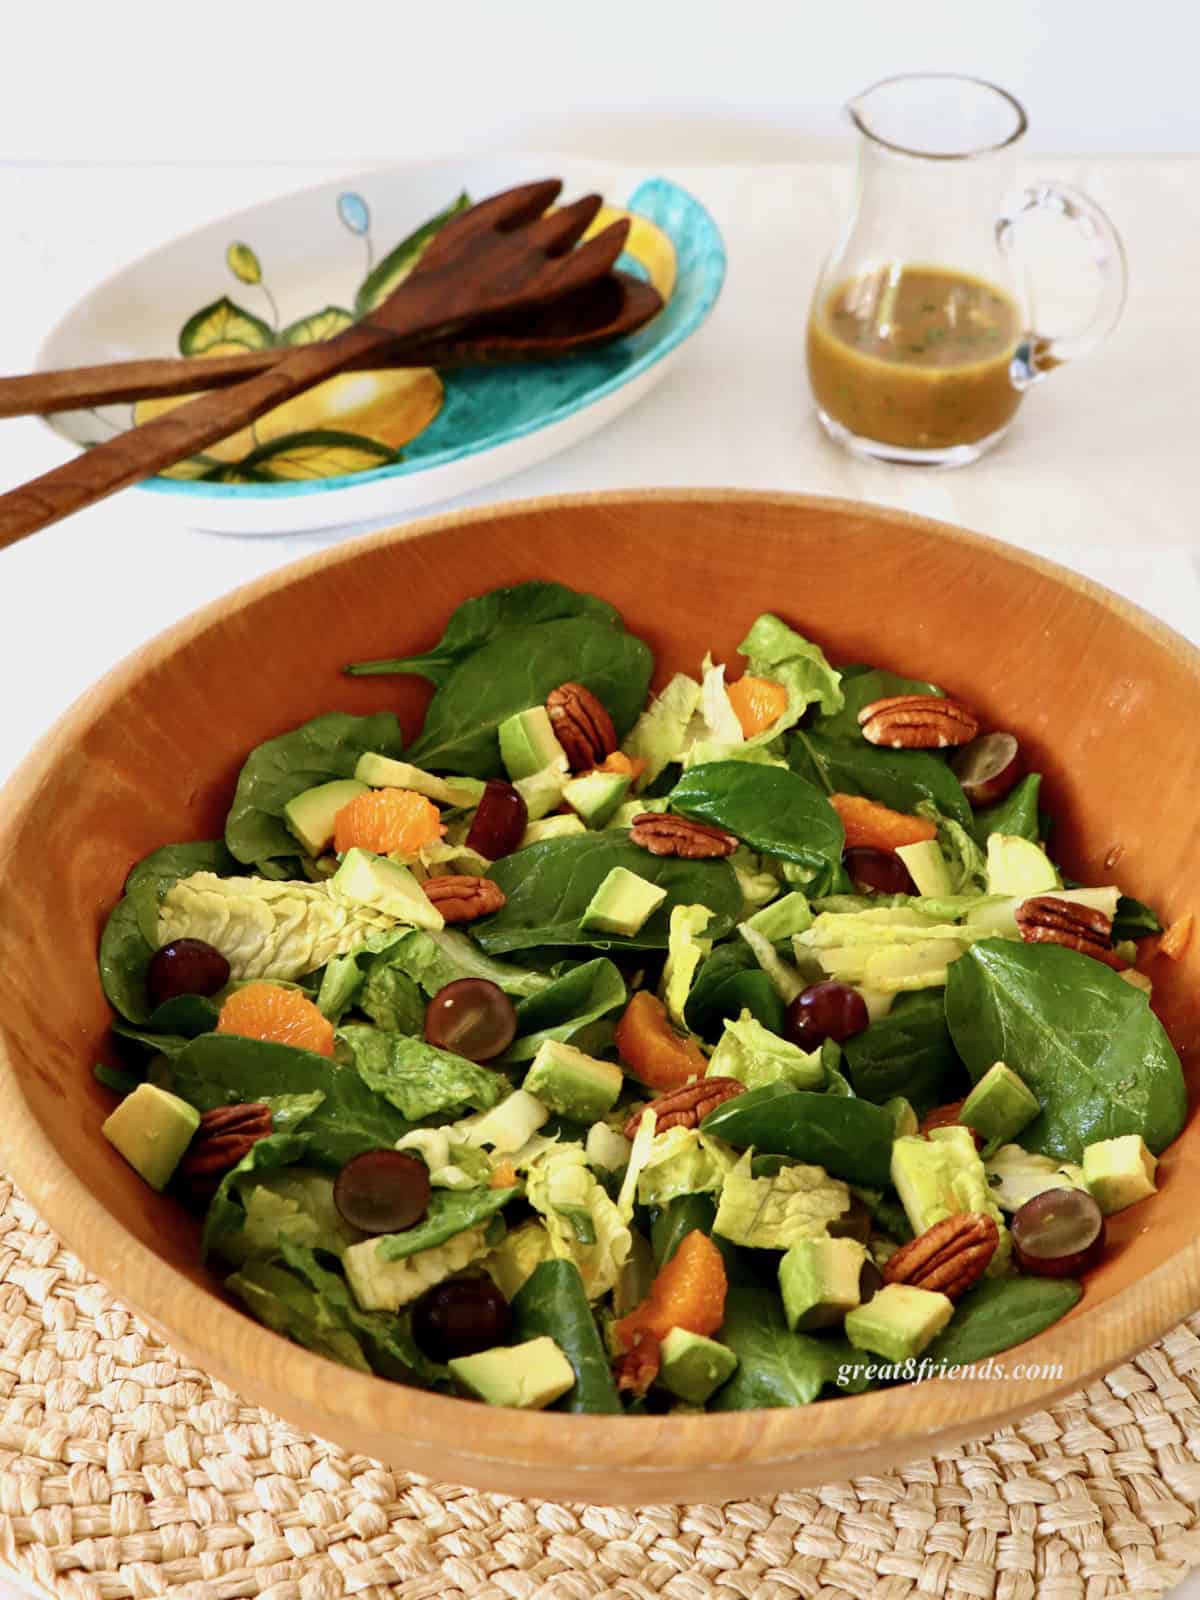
(948, 1117)
(949, 1257)
(917, 722)
(225, 1135)
(686, 1107)
(637, 1368)
(584, 728)
(1045, 919)
(666, 835)
(461, 898)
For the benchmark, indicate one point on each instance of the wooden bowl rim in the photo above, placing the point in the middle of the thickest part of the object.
(285, 1374)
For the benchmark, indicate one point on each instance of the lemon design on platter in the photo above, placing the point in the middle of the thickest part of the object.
(646, 243)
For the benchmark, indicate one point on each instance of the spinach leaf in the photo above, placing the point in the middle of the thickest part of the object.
(392, 999)
(1017, 813)
(552, 1301)
(1134, 919)
(909, 1052)
(172, 1025)
(450, 1211)
(1086, 1043)
(861, 686)
(517, 670)
(1001, 1312)
(417, 1078)
(896, 778)
(130, 938)
(771, 809)
(849, 1137)
(673, 1222)
(480, 620)
(775, 1366)
(223, 1069)
(729, 982)
(116, 1081)
(328, 747)
(566, 1006)
(549, 886)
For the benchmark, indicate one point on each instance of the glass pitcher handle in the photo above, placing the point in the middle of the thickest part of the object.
(1040, 352)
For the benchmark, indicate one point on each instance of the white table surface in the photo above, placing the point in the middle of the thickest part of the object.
(1100, 472)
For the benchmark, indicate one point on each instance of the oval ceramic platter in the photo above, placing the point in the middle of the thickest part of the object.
(371, 444)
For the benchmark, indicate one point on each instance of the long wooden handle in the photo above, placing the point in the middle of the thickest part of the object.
(74, 388)
(180, 433)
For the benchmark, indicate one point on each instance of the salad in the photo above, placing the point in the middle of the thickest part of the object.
(730, 1046)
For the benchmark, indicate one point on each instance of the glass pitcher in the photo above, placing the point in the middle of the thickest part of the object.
(921, 335)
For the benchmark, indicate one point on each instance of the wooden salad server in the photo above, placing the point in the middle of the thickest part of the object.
(502, 255)
(614, 306)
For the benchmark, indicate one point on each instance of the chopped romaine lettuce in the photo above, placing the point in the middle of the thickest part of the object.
(785, 978)
(584, 1224)
(685, 951)
(659, 733)
(772, 1213)
(511, 1264)
(683, 1161)
(419, 1079)
(380, 1284)
(1015, 1175)
(451, 1165)
(775, 651)
(756, 876)
(755, 1056)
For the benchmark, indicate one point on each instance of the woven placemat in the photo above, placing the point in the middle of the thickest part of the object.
(126, 1472)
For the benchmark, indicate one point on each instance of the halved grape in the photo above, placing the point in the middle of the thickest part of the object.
(875, 871)
(825, 1011)
(1058, 1234)
(382, 1191)
(854, 1223)
(185, 966)
(499, 822)
(988, 767)
(459, 1318)
(473, 1017)
(870, 1281)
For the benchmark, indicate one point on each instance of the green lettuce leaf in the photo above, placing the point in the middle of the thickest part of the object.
(755, 1056)
(683, 1161)
(686, 949)
(416, 1077)
(563, 1190)
(772, 1213)
(451, 1211)
(773, 650)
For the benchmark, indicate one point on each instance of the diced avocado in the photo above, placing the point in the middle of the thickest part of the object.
(571, 1083)
(543, 790)
(899, 1321)
(528, 744)
(782, 918)
(310, 815)
(998, 916)
(514, 1259)
(508, 1126)
(818, 1280)
(152, 1129)
(606, 1148)
(658, 735)
(596, 795)
(1119, 1172)
(622, 903)
(927, 868)
(904, 1118)
(382, 772)
(370, 880)
(1018, 866)
(529, 1376)
(999, 1105)
(694, 1367)
(551, 828)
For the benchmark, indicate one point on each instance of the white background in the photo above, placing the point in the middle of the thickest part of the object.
(123, 123)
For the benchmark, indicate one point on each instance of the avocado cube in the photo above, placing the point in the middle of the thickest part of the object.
(382, 772)
(782, 918)
(551, 828)
(1119, 1172)
(999, 1105)
(529, 1376)
(311, 815)
(528, 744)
(819, 1281)
(927, 868)
(370, 880)
(152, 1129)
(596, 796)
(623, 903)
(1018, 866)
(572, 1083)
(694, 1367)
(899, 1321)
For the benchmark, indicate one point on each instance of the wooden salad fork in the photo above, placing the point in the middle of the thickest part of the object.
(613, 307)
(502, 255)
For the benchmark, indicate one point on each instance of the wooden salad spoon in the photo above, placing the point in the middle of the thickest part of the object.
(613, 307)
(502, 255)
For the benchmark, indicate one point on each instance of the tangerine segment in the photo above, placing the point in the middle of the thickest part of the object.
(630, 767)
(757, 703)
(689, 1292)
(281, 1016)
(649, 1046)
(387, 821)
(874, 826)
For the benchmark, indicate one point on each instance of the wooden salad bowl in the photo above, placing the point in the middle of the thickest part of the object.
(1103, 698)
